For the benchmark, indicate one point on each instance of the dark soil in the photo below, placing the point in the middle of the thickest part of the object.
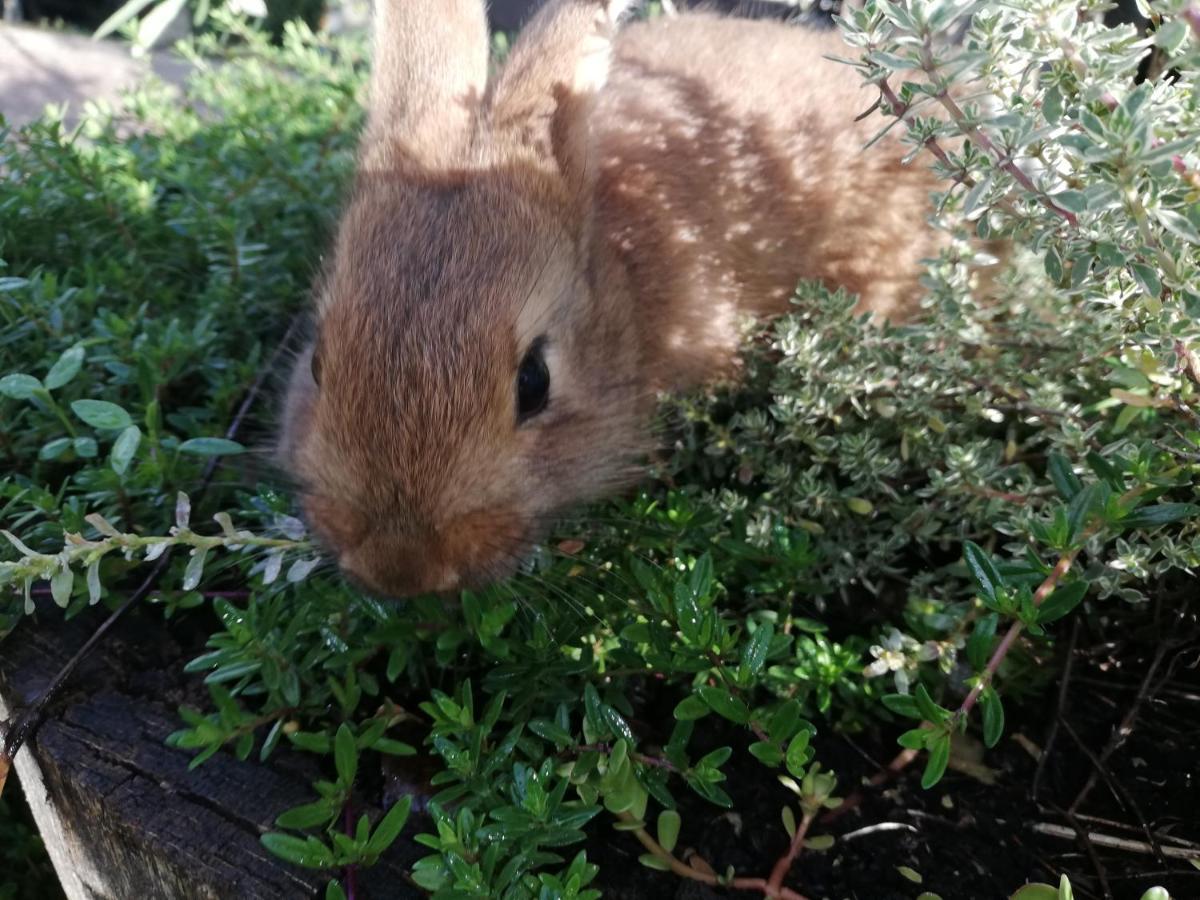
(971, 840)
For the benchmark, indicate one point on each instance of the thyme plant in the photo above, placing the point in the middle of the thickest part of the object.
(954, 489)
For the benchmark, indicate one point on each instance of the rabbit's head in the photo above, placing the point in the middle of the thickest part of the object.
(474, 368)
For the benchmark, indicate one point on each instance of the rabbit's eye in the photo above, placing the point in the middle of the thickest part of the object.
(314, 366)
(533, 382)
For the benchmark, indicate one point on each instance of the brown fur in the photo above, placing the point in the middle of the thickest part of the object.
(627, 199)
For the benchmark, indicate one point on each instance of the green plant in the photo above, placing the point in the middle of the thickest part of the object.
(873, 525)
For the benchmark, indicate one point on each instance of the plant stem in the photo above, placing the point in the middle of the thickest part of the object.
(784, 865)
(683, 870)
(1044, 590)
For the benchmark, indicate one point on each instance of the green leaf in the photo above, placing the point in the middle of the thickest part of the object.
(307, 816)
(754, 654)
(979, 645)
(85, 447)
(1064, 599)
(310, 853)
(724, 703)
(983, 570)
(333, 891)
(1066, 482)
(54, 449)
(935, 768)
(690, 708)
(1178, 225)
(60, 586)
(65, 369)
(195, 569)
(901, 705)
(766, 753)
(211, 446)
(101, 414)
(993, 716)
(389, 827)
(1036, 892)
(124, 449)
(1147, 279)
(668, 829)
(798, 754)
(19, 386)
(345, 754)
(650, 861)
(930, 711)
(1160, 514)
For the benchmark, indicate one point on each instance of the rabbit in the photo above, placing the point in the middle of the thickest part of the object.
(528, 259)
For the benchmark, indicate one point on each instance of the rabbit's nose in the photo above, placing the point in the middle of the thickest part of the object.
(397, 572)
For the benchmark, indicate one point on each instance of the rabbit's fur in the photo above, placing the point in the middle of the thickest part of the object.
(623, 197)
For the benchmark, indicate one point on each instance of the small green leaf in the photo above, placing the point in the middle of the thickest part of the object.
(754, 654)
(939, 757)
(725, 703)
(124, 448)
(307, 816)
(798, 754)
(1066, 482)
(389, 827)
(1036, 892)
(930, 711)
(902, 705)
(690, 708)
(668, 829)
(311, 853)
(1160, 514)
(983, 570)
(650, 861)
(333, 891)
(65, 369)
(101, 414)
(211, 446)
(993, 716)
(1064, 599)
(54, 449)
(766, 753)
(910, 874)
(345, 754)
(195, 569)
(60, 586)
(19, 386)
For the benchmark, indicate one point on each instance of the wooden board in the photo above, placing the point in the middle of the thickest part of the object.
(121, 815)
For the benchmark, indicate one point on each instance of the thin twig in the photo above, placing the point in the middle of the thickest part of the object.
(1118, 790)
(1113, 842)
(1052, 731)
(1084, 838)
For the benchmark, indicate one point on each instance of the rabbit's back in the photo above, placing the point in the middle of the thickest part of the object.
(731, 166)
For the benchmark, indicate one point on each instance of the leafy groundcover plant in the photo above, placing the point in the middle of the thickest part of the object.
(879, 534)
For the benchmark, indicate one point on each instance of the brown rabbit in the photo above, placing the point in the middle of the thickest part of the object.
(525, 263)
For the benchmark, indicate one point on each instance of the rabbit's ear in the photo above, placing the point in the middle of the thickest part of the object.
(428, 79)
(541, 102)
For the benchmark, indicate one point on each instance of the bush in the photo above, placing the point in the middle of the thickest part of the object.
(876, 525)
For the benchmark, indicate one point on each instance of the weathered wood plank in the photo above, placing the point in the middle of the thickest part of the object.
(121, 815)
